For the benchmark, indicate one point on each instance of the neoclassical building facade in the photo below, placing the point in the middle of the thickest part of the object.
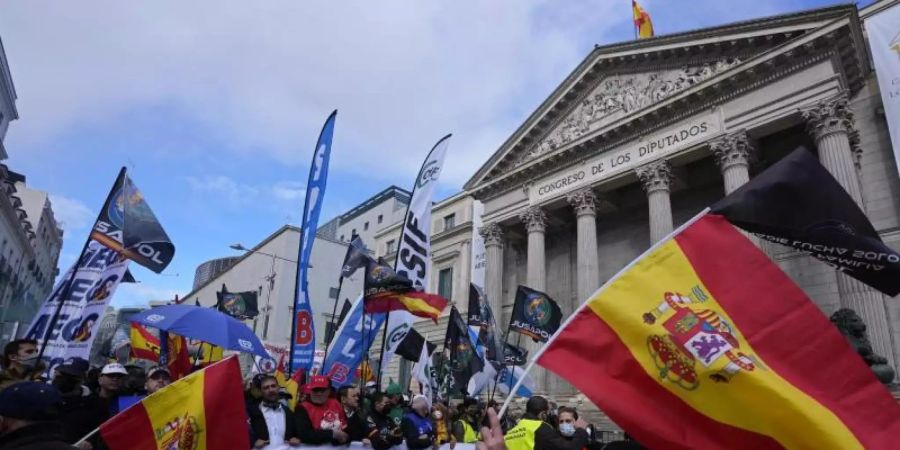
(643, 135)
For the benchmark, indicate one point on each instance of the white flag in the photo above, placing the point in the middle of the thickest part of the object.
(884, 38)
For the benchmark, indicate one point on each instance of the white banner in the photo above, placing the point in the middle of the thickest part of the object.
(884, 38)
(98, 274)
(414, 252)
(479, 257)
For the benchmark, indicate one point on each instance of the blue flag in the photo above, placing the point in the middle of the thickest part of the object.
(350, 344)
(303, 333)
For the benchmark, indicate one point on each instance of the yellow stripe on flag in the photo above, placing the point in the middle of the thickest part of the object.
(414, 305)
(182, 408)
(746, 400)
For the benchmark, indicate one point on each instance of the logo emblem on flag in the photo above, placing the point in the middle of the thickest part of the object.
(537, 310)
(694, 335)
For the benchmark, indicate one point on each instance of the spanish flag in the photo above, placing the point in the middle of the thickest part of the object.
(204, 410)
(291, 385)
(209, 354)
(704, 343)
(418, 303)
(144, 344)
(642, 23)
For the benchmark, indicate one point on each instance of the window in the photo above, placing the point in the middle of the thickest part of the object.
(353, 233)
(391, 247)
(333, 293)
(380, 218)
(342, 238)
(366, 226)
(449, 221)
(445, 283)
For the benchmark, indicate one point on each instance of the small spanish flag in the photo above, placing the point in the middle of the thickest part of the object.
(292, 384)
(204, 410)
(209, 354)
(144, 344)
(642, 23)
(419, 304)
(704, 343)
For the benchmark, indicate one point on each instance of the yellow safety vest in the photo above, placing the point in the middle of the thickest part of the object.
(521, 437)
(469, 434)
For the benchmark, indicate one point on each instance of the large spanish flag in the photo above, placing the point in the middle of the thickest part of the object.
(418, 303)
(704, 343)
(203, 411)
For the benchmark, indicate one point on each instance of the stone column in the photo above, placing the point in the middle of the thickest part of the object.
(732, 154)
(655, 178)
(831, 125)
(493, 277)
(584, 202)
(535, 221)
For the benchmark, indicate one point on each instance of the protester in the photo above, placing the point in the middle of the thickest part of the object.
(271, 424)
(356, 424)
(534, 433)
(566, 420)
(383, 432)
(135, 380)
(20, 362)
(397, 408)
(29, 414)
(464, 428)
(112, 383)
(321, 418)
(440, 418)
(79, 412)
(416, 425)
(158, 377)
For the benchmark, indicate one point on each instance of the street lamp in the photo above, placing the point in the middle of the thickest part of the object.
(241, 248)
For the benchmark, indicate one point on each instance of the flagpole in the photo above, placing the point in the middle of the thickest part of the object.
(584, 305)
(66, 287)
(387, 320)
(333, 319)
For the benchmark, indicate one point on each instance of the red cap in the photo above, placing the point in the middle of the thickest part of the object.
(318, 382)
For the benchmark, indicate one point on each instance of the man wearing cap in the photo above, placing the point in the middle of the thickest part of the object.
(272, 425)
(28, 418)
(112, 382)
(79, 412)
(158, 377)
(20, 362)
(397, 407)
(321, 418)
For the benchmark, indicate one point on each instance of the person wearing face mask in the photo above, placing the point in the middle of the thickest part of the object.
(534, 433)
(441, 420)
(383, 433)
(20, 362)
(566, 424)
(79, 413)
(416, 425)
(465, 429)
(29, 418)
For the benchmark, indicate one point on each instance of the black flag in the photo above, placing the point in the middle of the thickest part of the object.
(343, 315)
(535, 314)
(796, 202)
(240, 305)
(464, 361)
(481, 316)
(410, 348)
(127, 225)
(515, 356)
(381, 278)
(356, 257)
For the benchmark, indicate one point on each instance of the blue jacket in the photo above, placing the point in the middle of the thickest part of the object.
(413, 426)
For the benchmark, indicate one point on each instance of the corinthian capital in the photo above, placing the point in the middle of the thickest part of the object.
(584, 201)
(534, 218)
(829, 117)
(655, 176)
(731, 150)
(492, 234)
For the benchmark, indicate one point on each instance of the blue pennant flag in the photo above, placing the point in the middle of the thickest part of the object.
(350, 344)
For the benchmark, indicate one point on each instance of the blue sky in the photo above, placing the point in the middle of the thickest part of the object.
(215, 106)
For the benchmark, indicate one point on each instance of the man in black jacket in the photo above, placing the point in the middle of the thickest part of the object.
(356, 424)
(80, 413)
(534, 428)
(383, 433)
(28, 417)
(271, 423)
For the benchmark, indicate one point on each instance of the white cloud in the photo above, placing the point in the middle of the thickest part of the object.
(234, 193)
(140, 294)
(71, 213)
(289, 191)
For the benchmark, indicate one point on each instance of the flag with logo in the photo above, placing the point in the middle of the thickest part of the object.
(515, 356)
(642, 24)
(204, 410)
(464, 361)
(796, 202)
(481, 317)
(240, 305)
(534, 314)
(385, 290)
(706, 343)
(356, 257)
(127, 225)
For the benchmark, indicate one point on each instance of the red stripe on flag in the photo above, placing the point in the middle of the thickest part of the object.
(223, 401)
(793, 336)
(618, 384)
(129, 430)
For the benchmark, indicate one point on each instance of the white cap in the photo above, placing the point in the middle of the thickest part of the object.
(113, 368)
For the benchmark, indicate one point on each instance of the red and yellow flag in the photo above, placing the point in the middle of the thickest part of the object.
(209, 354)
(203, 411)
(144, 345)
(642, 22)
(291, 385)
(419, 304)
(706, 344)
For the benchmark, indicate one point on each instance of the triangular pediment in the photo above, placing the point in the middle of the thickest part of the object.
(617, 83)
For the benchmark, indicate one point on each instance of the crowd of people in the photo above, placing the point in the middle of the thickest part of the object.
(59, 413)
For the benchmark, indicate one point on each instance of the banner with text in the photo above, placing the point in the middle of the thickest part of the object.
(351, 343)
(96, 278)
(414, 251)
(883, 30)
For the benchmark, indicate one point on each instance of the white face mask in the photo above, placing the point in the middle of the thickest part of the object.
(438, 415)
(567, 429)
